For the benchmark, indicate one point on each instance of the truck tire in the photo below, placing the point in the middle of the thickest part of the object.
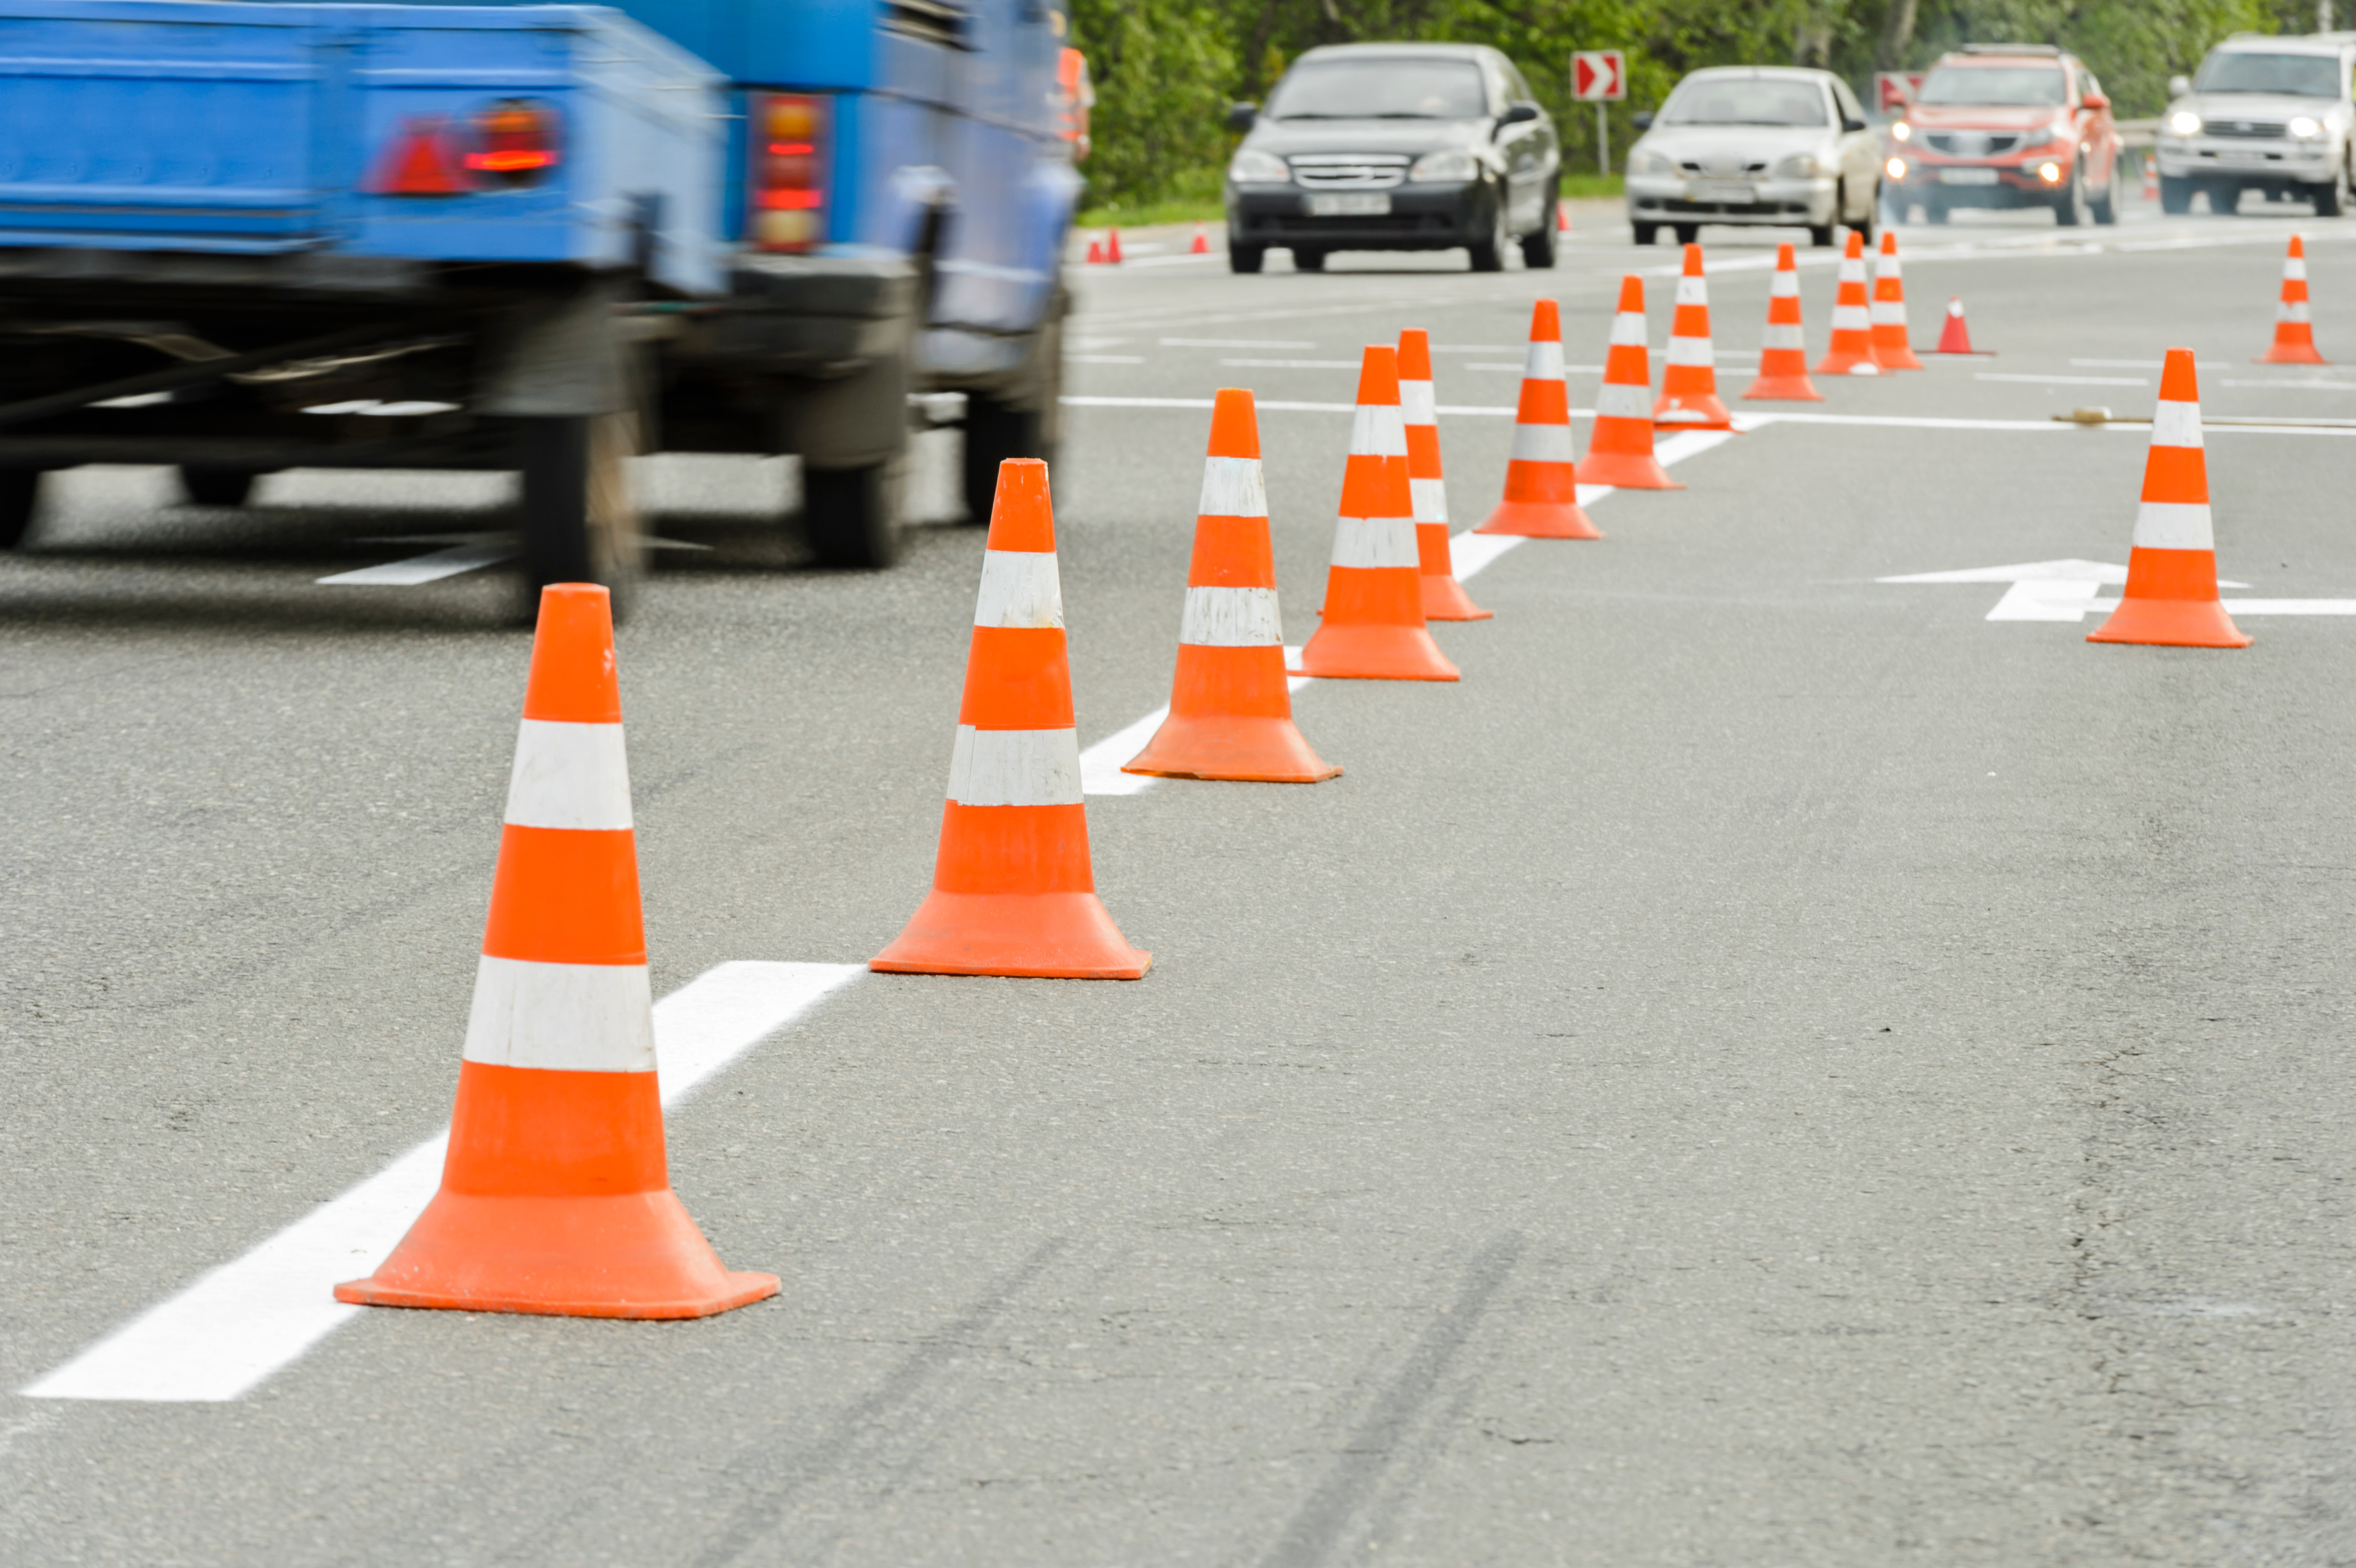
(2070, 203)
(1538, 245)
(2105, 207)
(1643, 233)
(2332, 200)
(20, 493)
(997, 429)
(1488, 255)
(852, 516)
(1246, 258)
(217, 486)
(2175, 195)
(1308, 260)
(579, 524)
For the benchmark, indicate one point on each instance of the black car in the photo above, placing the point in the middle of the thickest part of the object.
(1395, 147)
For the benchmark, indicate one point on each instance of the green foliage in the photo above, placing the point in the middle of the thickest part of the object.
(1164, 71)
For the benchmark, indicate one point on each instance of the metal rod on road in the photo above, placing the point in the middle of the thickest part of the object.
(1603, 140)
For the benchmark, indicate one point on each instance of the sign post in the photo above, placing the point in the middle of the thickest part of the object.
(1599, 76)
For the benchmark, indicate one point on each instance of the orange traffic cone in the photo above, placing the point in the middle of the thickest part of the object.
(1541, 479)
(2150, 177)
(1230, 706)
(1620, 452)
(2294, 332)
(1444, 598)
(1095, 253)
(1112, 246)
(1689, 371)
(1013, 889)
(1202, 245)
(1888, 312)
(2172, 593)
(1373, 627)
(556, 1193)
(1955, 338)
(1852, 353)
(1782, 353)
(1562, 218)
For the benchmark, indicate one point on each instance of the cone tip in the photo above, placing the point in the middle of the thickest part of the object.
(1415, 354)
(1378, 376)
(1632, 293)
(1235, 424)
(1022, 515)
(1889, 241)
(1693, 261)
(1545, 322)
(2178, 383)
(573, 679)
(2298, 247)
(1786, 259)
(1856, 249)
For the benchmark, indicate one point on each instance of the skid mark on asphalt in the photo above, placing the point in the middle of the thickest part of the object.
(1314, 1531)
(248, 1319)
(782, 1478)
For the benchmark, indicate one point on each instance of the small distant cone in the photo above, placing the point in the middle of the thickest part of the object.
(1689, 370)
(1014, 892)
(1230, 705)
(2172, 593)
(1562, 218)
(1541, 479)
(2294, 332)
(1202, 245)
(1782, 353)
(1444, 598)
(1888, 312)
(1955, 338)
(2150, 177)
(1112, 246)
(1373, 627)
(1852, 353)
(1620, 452)
(1095, 253)
(555, 1193)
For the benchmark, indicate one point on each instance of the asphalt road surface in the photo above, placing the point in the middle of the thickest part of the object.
(1774, 1068)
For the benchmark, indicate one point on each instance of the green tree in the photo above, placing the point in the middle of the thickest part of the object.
(1164, 71)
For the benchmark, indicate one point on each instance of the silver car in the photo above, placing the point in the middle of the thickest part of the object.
(1762, 146)
(2267, 113)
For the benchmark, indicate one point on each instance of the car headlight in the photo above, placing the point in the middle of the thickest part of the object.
(1798, 166)
(1650, 162)
(2050, 172)
(2303, 127)
(1252, 166)
(1895, 168)
(1901, 129)
(2184, 122)
(1447, 165)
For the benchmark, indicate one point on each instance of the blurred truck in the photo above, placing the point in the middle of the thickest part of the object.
(241, 238)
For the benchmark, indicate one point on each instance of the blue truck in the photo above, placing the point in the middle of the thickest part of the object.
(241, 237)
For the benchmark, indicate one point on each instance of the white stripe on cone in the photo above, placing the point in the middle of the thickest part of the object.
(1543, 442)
(1233, 487)
(1615, 401)
(1785, 285)
(2173, 525)
(2176, 424)
(569, 775)
(1544, 360)
(1417, 404)
(2291, 310)
(1781, 334)
(1430, 499)
(1690, 351)
(1020, 589)
(1376, 542)
(1627, 330)
(1693, 290)
(1015, 767)
(566, 1017)
(1376, 431)
(1231, 618)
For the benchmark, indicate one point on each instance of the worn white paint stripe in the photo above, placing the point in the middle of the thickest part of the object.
(1233, 487)
(422, 569)
(1019, 589)
(1375, 542)
(2176, 424)
(1628, 330)
(1689, 351)
(1543, 362)
(1015, 767)
(564, 1018)
(1541, 443)
(2173, 525)
(1417, 403)
(239, 1324)
(1231, 618)
(569, 775)
(1378, 430)
(1616, 403)
(1430, 499)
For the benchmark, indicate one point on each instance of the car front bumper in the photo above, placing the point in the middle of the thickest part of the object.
(2285, 162)
(2017, 183)
(1673, 198)
(1437, 216)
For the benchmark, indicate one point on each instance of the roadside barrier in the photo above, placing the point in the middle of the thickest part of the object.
(1888, 312)
(1012, 891)
(1620, 452)
(1230, 706)
(2172, 593)
(1852, 353)
(1373, 627)
(1782, 351)
(555, 1193)
(1689, 370)
(2294, 330)
(1955, 338)
(1444, 598)
(1541, 500)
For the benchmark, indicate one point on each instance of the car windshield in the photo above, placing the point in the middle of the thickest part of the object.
(1996, 85)
(1744, 100)
(2294, 75)
(1380, 90)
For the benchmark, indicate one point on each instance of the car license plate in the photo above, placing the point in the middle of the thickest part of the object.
(1351, 205)
(1967, 177)
(2243, 155)
(1724, 190)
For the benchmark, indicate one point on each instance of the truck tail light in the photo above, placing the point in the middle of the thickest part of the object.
(787, 162)
(423, 160)
(515, 142)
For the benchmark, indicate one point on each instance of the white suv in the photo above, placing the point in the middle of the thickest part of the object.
(2265, 113)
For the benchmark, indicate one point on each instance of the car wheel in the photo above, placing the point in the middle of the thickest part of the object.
(852, 516)
(1820, 235)
(217, 486)
(1245, 258)
(2175, 195)
(2224, 196)
(2105, 207)
(1538, 245)
(1864, 225)
(2070, 202)
(1489, 255)
(20, 493)
(1643, 233)
(2332, 200)
(1307, 261)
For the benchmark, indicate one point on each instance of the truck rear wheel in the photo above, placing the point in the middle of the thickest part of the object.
(579, 523)
(996, 430)
(852, 516)
(217, 486)
(20, 491)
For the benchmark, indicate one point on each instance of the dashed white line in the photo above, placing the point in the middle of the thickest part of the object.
(430, 567)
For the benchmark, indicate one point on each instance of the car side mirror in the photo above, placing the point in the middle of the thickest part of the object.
(2178, 86)
(2096, 101)
(1518, 113)
(1642, 120)
(1242, 116)
(1850, 122)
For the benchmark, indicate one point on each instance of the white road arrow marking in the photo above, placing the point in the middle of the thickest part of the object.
(2067, 590)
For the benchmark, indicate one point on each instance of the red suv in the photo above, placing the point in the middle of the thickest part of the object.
(2004, 126)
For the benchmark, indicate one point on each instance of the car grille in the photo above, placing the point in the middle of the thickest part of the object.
(1348, 171)
(2255, 130)
(1722, 168)
(1969, 143)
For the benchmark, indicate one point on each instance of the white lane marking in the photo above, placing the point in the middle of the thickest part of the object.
(244, 1321)
(2295, 386)
(1567, 369)
(1231, 343)
(1478, 347)
(1269, 405)
(2064, 380)
(1468, 554)
(430, 567)
(2066, 590)
(2148, 365)
(1293, 364)
(1106, 359)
